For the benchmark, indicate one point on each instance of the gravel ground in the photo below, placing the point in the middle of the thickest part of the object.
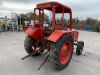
(12, 50)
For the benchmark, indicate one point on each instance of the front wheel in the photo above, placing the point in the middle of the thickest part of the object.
(61, 52)
(80, 47)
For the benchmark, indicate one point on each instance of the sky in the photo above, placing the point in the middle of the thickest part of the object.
(80, 8)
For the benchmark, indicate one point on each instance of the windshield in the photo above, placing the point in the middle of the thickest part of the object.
(62, 19)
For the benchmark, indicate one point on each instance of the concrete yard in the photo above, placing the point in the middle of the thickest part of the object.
(12, 50)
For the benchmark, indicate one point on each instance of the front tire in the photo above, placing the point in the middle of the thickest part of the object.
(28, 44)
(80, 47)
(61, 52)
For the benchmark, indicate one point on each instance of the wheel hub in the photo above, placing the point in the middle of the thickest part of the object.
(65, 52)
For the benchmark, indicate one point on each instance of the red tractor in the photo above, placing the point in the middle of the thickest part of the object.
(56, 40)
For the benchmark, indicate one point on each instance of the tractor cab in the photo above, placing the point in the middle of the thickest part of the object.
(58, 15)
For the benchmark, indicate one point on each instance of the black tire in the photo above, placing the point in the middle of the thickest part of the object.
(28, 43)
(80, 47)
(55, 51)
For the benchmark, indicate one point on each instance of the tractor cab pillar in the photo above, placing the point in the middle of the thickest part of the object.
(38, 17)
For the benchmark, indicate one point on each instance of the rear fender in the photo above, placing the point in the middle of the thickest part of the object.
(57, 34)
(36, 33)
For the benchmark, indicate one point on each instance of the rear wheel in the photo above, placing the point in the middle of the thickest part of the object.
(80, 47)
(61, 52)
(29, 44)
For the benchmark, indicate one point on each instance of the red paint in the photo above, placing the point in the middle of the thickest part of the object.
(36, 33)
(75, 35)
(65, 52)
(56, 35)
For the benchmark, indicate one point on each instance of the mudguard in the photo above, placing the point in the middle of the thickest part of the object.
(36, 33)
(54, 37)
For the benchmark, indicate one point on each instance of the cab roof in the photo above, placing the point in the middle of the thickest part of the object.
(59, 7)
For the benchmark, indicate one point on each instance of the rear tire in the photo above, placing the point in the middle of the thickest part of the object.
(56, 52)
(28, 43)
(80, 47)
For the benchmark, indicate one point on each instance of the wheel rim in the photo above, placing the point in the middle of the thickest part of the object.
(65, 52)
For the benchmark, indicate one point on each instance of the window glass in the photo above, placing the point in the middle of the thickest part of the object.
(66, 19)
(58, 18)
